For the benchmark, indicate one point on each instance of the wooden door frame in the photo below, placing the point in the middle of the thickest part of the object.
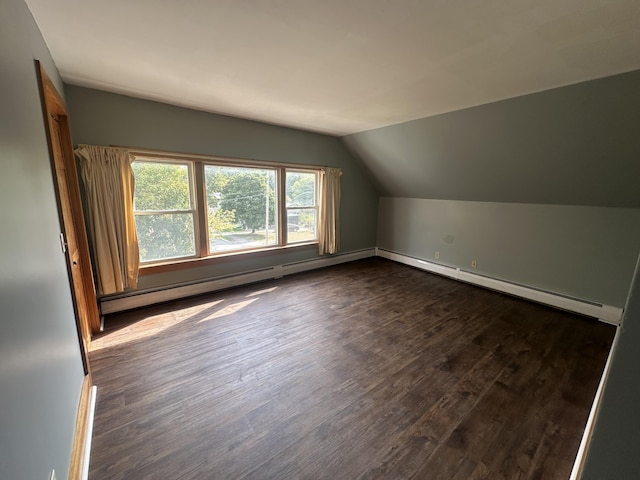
(54, 109)
(79, 270)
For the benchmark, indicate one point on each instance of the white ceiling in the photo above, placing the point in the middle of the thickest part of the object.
(337, 66)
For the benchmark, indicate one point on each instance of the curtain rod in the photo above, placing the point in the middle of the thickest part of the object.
(150, 152)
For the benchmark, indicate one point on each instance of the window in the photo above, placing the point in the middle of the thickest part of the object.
(200, 208)
(164, 210)
(302, 206)
(241, 207)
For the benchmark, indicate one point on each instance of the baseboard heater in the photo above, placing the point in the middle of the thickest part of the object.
(605, 313)
(122, 302)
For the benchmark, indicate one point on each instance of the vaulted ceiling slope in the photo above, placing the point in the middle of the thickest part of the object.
(574, 145)
(337, 66)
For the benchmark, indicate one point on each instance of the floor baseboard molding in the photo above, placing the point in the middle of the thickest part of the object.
(81, 452)
(114, 304)
(87, 444)
(138, 299)
(581, 456)
(604, 313)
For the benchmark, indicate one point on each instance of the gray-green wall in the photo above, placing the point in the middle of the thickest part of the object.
(103, 118)
(575, 145)
(40, 365)
(613, 453)
(541, 190)
(578, 251)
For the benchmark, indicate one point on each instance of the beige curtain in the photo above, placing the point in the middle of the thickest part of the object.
(329, 226)
(108, 182)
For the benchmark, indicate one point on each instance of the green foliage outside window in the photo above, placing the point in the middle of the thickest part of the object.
(241, 207)
(301, 200)
(301, 189)
(161, 188)
(245, 193)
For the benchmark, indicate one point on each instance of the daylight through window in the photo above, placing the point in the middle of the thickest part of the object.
(302, 206)
(164, 210)
(241, 207)
(189, 208)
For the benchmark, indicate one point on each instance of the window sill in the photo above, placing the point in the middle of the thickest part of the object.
(183, 264)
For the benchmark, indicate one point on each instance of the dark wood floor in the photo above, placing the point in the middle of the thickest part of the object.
(365, 370)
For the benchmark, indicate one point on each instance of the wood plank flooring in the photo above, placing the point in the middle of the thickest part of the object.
(367, 370)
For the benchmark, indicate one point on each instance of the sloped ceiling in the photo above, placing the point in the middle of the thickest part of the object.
(337, 66)
(574, 145)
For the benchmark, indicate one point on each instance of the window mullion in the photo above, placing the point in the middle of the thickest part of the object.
(282, 207)
(234, 225)
(200, 220)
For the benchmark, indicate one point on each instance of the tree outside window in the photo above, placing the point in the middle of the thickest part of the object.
(243, 207)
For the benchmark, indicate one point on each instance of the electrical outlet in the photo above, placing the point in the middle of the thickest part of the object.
(52, 475)
(474, 264)
(437, 255)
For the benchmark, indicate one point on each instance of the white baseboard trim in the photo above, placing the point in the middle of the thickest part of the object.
(138, 299)
(605, 313)
(578, 465)
(113, 304)
(87, 445)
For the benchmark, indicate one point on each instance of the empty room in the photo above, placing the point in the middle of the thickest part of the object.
(320, 240)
